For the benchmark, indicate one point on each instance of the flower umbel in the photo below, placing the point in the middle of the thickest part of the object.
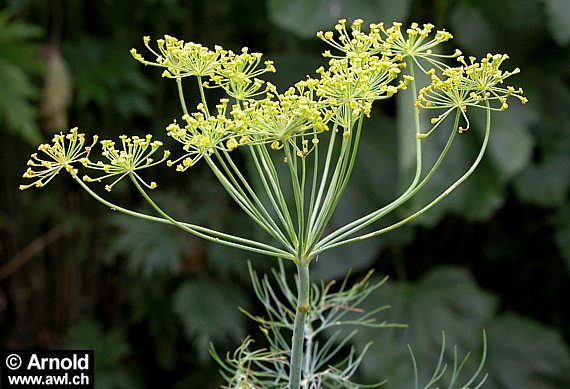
(135, 155)
(182, 59)
(203, 134)
(469, 85)
(280, 119)
(418, 42)
(238, 74)
(64, 151)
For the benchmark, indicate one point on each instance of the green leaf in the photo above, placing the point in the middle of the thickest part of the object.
(511, 144)
(446, 299)
(524, 354)
(105, 74)
(19, 61)
(558, 20)
(111, 351)
(561, 222)
(482, 26)
(111, 347)
(305, 17)
(151, 249)
(209, 312)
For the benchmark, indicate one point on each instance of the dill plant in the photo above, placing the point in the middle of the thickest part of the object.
(303, 145)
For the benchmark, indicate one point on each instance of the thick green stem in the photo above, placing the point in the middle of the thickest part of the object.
(303, 307)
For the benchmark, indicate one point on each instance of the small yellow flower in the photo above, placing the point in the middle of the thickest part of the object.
(135, 154)
(62, 153)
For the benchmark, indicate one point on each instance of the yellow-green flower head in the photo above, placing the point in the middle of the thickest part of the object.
(135, 154)
(474, 84)
(237, 74)
(62, 153)
(361, 77)
(203, 134)
(182, 59)
(280, 118)
(416, 42)
(355, 41)
(350, 85)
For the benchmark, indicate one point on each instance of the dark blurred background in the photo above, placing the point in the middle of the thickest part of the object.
(149, 300)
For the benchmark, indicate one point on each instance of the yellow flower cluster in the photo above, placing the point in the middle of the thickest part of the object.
(203, 134)
(469, 85)
(235, 73)
(238, 74)
(182, 59)
(64, 151)
(135, 154)
(282, 118)
(414, 43)
(368, 67)
(355, 82)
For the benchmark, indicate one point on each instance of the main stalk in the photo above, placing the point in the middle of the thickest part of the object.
(303, 306)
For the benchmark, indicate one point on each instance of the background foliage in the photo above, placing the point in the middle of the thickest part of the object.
(494, 255)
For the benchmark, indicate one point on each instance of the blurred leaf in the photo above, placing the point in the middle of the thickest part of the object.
(558, 20)
(546, 180)
(110, 347)
(524, 354)
(209, 312)
(511, 143)
(305, 17)
(151, 305)
(151, 249)
(561, 222)
(482, 26)
(107, 75)
(19, 60)
(472, 31)
(477, 198)
(446, 299)
(111, 350)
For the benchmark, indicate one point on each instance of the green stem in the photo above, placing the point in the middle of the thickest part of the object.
(303, 307)
(444, 194)
(414, 188)
(199, 231)
(181, 95)
(203, 96)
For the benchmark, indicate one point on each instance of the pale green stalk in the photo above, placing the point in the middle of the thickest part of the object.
(245, 204)
(322, 213)
(202, 95)
(428, 206)
(181, 95)
(199, 231)
(298, 195)
(270, 181)
(324, 180)
(301, 311)
(412, 190)
(257, 204)
(364, 221)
